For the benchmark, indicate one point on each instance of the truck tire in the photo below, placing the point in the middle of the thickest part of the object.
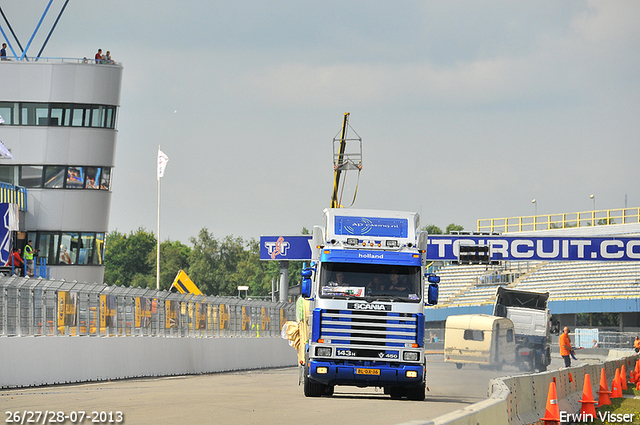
(459, 365)
(416, 393)
(313, 389)
(328, 389)
(396, 392)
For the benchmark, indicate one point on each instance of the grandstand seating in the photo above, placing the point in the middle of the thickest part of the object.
(585, 280)
(564, 280)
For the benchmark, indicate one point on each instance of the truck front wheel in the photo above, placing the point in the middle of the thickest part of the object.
(417, 393)
(313, 389)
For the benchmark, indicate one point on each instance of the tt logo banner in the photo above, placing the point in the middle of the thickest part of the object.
(279, 247)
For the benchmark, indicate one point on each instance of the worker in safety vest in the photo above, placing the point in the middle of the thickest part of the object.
(636, 344)
(565, 347)
(28, 257)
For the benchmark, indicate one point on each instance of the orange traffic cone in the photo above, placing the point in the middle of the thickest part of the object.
(623, 378)
(588, 403)
(603, 392)
(637, 368)
(552, 411)
(616, 391)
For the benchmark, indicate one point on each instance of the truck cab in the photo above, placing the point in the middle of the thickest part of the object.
(365, 295)
(532, 323)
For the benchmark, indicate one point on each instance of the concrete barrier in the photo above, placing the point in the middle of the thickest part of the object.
(520, 400)
(29, 361)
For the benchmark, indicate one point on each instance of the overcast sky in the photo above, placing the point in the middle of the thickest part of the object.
(467, 110)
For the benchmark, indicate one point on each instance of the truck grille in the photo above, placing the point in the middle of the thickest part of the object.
(369, 329)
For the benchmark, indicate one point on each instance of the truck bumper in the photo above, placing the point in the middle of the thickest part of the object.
(347, 374)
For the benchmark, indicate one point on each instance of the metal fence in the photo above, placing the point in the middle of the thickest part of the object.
(40, 307)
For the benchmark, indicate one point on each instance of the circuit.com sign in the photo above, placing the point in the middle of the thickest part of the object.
(447, 248)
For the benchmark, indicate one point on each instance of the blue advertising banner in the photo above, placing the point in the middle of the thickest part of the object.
(371, 226)
(5, 234)
(548, 248)
(295, 248)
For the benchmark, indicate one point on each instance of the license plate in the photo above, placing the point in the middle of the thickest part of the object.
(367, 371)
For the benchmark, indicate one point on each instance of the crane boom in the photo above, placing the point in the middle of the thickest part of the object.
(338, 170)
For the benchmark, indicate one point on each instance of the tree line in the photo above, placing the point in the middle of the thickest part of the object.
(216, 266)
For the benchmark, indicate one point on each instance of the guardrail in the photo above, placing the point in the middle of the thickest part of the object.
(61, 60)
(37, 307)
(559, 221)
(520, 400)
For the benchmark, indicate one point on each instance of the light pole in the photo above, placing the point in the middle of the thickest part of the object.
(535, 206)
(593, 214)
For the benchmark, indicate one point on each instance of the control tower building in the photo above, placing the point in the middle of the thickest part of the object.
(60, 125)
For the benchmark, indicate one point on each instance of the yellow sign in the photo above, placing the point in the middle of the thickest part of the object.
(107, 312)
(265, 318)
(246, 320)
(62, 309)
(171, 309)
(184, 285)
(143, 312)
(212, 316)
(201, 316)
(224, 317)
(283, 318)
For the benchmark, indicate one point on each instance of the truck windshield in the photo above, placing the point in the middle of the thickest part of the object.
(371, 281)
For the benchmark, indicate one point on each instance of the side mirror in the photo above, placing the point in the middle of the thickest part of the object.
(432, 278)
(432, 293)
(305, 290)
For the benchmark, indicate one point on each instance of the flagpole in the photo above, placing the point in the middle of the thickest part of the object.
(158, 244)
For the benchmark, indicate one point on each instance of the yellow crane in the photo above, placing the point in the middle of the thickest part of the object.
(347, 156)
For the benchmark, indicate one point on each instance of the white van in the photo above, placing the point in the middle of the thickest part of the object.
(485, 340)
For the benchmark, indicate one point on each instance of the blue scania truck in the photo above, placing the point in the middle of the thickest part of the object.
(365, 294)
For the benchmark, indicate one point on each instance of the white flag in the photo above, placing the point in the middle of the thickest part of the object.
(4, 152)
(162, 163)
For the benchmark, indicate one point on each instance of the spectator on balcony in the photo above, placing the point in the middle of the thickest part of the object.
(3, 52)
(15, 260)
(107, 58)
(99, 56)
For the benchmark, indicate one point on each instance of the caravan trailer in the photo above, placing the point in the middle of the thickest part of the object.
(481, 339)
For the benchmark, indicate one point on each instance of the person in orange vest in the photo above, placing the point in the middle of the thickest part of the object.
(636, 344)
(565, 347)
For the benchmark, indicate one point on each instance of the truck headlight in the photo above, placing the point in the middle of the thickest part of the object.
(323, 351)
(411, 356)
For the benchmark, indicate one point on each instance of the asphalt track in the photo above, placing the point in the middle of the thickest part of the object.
(270, 396)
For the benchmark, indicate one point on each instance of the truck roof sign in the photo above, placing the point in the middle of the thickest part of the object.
(371, 226)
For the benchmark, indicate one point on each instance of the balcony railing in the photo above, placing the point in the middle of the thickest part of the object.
(559, 221)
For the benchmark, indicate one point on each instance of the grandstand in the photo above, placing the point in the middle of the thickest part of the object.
(574, 286)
